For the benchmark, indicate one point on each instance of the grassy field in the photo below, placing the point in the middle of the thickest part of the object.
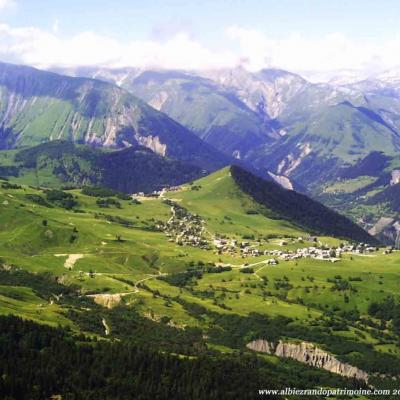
(117, 255)
(350, 185)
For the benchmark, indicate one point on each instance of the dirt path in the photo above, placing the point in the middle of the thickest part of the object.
(106, 327)
(111, 299)
(71, 260)
(146, 279)
(240, 266)
(172, 215)
(257, 271)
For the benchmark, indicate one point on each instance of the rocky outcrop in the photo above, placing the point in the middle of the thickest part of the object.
(292, 160)
(282, 180)
(308, 353)
(158, 100)
(268, 91)
(386, 230)
(107, 300)
(395, 178)
(262, 346)
(153, 143)
(382, 224)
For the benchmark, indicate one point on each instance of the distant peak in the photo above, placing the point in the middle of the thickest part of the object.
(275, 73)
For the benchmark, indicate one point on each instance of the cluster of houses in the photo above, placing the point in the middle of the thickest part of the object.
(317, 251)
(222, 245)
(156, 193)
(320, 252)
(185, 228)
(359, 248)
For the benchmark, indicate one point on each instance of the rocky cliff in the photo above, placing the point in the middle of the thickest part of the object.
(308, 353)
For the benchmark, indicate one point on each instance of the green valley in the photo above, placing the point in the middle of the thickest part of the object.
(209, 262)
(199, 200)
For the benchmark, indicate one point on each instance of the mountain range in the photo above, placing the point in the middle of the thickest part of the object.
(305, 134)
(274, 122)
(274, 119)
(38, 106)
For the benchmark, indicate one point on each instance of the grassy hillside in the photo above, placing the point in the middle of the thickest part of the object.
(136, 271)
(298, 208)
(58, 163)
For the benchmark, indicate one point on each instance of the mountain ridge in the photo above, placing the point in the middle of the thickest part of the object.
(298, 208)
(62, 163)
(287, 105)
(38, 106)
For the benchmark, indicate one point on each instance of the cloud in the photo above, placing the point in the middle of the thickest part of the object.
(56, 26)
(7, 4)
(180, 50)
(329, 53)
(37, 47)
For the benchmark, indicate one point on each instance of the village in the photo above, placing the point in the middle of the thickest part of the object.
(317, 251)
(186, 229)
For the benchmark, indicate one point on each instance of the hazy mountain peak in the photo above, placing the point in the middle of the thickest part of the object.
(272, 74)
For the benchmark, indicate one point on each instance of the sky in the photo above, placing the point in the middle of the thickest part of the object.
(315, 37)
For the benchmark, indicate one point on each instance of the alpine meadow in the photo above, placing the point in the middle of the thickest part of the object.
(199, 200)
